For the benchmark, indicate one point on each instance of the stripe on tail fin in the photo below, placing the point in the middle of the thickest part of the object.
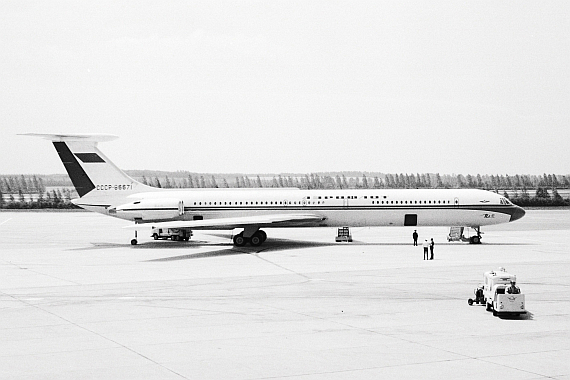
(79, 178)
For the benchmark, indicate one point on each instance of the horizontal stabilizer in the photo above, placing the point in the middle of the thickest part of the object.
(73, 137)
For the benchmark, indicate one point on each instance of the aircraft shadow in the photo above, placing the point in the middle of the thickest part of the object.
(271, 245)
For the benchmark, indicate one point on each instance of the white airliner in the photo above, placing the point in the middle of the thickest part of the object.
(104, 188)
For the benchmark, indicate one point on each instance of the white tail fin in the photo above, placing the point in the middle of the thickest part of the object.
(89, 169)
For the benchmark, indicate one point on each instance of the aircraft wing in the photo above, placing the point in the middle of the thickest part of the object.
(274, 220)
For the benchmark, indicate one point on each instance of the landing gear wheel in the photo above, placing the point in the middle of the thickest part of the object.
(263, 236)
(239, 240)
(155, 236)
(134, 242)
(256, 239)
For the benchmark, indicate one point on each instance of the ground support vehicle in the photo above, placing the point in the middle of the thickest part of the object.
(343, 235)
(501, 294)
(176, 234)
(456, 234)
(479, 298)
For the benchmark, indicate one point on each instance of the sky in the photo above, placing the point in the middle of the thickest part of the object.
(290, 86)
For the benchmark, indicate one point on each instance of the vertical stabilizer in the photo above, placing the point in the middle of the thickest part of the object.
(91, 172)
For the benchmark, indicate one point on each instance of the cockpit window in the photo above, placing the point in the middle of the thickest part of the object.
(505, 201)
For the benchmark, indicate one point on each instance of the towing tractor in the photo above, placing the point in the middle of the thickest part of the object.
(501, 294)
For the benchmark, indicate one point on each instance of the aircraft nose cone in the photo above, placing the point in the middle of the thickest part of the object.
(517, 214)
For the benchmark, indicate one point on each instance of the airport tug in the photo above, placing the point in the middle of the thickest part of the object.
(500, 294)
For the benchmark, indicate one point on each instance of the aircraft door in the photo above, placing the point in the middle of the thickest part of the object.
(345, 202)
(181, 208)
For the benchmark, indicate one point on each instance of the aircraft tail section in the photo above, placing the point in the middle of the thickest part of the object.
(91, 172)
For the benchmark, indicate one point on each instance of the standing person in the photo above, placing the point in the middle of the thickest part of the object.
(415, 236)
(431, 244)
(426, 246)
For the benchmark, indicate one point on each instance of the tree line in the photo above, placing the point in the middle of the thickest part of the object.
(53, 199)
(363, 181)
(525, 190)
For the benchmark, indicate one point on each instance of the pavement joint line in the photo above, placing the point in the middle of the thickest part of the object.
(47, 275)
(374, 367)
(465, 357)
(6, 221)
(517, 369)
(100, 335)
(256, 254)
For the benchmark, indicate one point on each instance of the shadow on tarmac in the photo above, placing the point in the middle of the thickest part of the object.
(271, 245)
(528, 316)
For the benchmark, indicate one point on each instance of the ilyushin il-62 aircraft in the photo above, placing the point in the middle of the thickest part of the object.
(104, 188)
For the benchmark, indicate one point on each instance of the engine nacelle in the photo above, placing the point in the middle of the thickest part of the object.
(150, 209)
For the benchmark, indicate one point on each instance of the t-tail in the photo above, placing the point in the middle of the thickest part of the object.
(99, 183)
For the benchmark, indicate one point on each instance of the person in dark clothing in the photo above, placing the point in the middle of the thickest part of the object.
(415, 236)
(431, 244)
(426, 246)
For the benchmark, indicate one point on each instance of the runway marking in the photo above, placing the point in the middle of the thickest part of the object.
(7, 220)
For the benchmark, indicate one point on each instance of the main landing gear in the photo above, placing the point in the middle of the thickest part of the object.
(255, 240)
